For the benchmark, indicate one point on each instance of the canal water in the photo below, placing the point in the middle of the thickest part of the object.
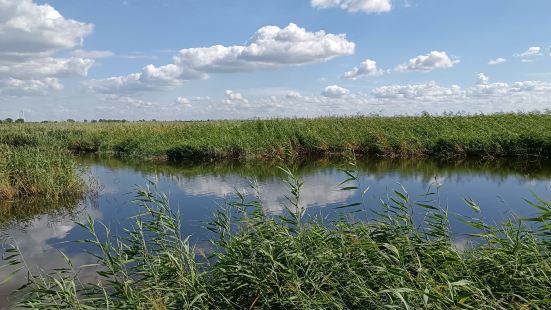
(42, 229)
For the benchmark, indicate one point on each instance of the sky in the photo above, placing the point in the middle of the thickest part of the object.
(240, 59)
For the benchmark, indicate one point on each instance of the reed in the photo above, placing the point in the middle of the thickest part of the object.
(45, 172)
(490, 136)
(291, 261)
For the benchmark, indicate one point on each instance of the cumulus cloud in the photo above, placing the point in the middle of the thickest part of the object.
(483, 96)
(529, 55)
(335, 91)
(483, 91)
(366, 6)
(293, 95)
(233, 97)
(28, 28)
(150, 78)
(31, 34)
(482, 79)
(46, 67)
(270, 47)
(128, 101)
(428, 92)
(367, 68)
(17, 87)
(426, 63)
(183, 101)
(497, 61)
(530, 52)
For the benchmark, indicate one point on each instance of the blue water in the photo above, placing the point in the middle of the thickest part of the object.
(198, 190)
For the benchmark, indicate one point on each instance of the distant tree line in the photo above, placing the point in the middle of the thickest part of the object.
(10, 121)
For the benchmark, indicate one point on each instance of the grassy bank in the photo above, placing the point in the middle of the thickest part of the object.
(506, 135)
(44, 172)
(259, 261)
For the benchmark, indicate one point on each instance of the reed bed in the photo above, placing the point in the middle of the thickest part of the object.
(292, 261)
(45, 172)
(499, 135)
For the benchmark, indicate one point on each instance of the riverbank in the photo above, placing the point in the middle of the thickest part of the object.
(488, 136)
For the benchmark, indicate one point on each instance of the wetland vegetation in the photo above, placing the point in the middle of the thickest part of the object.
(290, 261)
(32, 171)
(401, 255)
(502, 135)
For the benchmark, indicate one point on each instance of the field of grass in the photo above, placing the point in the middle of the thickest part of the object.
(45, 172)
(504, 135)
(261, 261)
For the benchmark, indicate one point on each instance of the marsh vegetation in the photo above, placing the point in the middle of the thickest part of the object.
(504, 135)
(259, 260)
(402, 254)
(32, 171)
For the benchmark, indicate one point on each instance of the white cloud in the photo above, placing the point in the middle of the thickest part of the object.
(183, 101)
(482, 93)
(151, 78)
(92, 54)
(426, 63)
(293, 95)
(427, 92)
(28, 28)
(367, 6)
(46, 67)
(232, 97)
(367, 68)
(529, 55)
(482, 79)
(335, 91)
(530, 52)
(128, 101)
(31, 34)
(497, 61)
(17, 87)
(269, 48)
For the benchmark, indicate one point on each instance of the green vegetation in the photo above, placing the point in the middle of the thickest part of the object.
(27, 171)
(504, 135)
(291, 261)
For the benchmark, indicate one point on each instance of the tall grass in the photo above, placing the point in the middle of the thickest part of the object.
(45, 172)
(291, 261)
(504, 135)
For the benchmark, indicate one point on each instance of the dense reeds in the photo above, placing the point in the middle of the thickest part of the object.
(292, 261)
(504, 135)
(45, 172)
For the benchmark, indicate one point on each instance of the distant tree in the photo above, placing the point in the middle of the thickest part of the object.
(93, 121)
(70, 120)
(19, 120)
(8, 120)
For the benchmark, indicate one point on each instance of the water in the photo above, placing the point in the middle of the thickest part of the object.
(41, 230)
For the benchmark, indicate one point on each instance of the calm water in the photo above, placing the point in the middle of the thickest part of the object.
(41, 230)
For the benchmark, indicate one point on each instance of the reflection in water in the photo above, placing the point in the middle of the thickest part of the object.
(319, 189)
(39, 238)
(41, 229)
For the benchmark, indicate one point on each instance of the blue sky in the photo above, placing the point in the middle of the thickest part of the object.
(206, 59)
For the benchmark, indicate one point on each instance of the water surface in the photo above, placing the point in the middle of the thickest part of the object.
(41, 229)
